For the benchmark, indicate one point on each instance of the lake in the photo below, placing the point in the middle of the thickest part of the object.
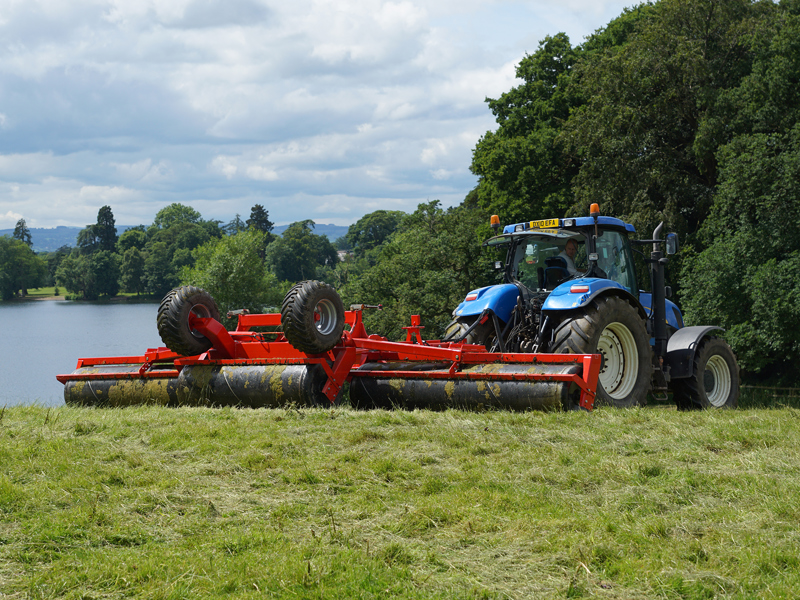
(43, 338)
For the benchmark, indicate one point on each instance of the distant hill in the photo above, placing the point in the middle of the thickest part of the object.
(48, 240)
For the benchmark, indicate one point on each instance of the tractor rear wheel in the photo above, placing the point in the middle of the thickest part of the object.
(483, 335)
(312, 316)
(173, 319)
(715, 378)
(612, 327)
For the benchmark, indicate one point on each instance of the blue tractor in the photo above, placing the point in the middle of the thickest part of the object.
(570, 286)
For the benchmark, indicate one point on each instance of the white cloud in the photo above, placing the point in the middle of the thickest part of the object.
(323, 109)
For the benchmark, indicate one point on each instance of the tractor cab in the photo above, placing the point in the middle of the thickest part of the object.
(539, 252)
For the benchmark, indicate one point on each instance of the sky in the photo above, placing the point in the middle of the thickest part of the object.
(314, 109)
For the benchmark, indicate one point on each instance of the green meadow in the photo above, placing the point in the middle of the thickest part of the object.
(159, 503)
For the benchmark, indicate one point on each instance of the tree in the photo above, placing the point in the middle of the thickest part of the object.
(373, 229)
(76, 275)
(234, 226)
(20, 268)
(426, 268)
(523, 166)
(259, 220)
(135, 237)
(747, 278)
(22, 233)
(232, 271)
(88, 241)
(647, 136)
(132, 271)
(54, 261)
(160, 275)
(298, 253)
(105, 272)
(106, 230)
(175, 213)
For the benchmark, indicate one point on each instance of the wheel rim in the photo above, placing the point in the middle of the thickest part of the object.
(717, 381)
(325, 317)
(201, 311)
(620, 366)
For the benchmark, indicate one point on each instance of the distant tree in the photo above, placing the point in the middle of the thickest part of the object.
(106, 273)
(231, 270)
(53, 260)
(298, 253)
(426, 268)
(160, 275)
(88, 241)
(22, 233)
(106, 230)
(342, 243)
(20, 268)
(175, 213)
(259, 220)
(76, 275)
(372, 230)
(234, 226)
(135, 237)
(132, 271)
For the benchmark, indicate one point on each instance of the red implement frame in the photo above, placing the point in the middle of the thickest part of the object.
(244, 347)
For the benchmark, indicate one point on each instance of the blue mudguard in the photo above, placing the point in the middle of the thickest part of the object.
(500, 298)
(576, 293)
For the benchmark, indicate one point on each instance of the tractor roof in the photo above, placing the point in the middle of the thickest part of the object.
(570, 223)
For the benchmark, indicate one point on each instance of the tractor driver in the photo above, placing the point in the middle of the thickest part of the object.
(568, 254)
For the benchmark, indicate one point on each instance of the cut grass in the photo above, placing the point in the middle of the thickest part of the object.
(206, 503)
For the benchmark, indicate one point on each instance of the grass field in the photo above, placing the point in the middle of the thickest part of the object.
(222, 503)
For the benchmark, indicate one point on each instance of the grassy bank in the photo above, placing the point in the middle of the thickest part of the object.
(194, 503)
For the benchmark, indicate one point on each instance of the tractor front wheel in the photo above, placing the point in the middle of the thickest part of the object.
(173, 319)
(312, 316)
(612, 327)
(715, 378)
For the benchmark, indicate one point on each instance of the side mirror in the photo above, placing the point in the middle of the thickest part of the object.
(672, 243)
(498, 265)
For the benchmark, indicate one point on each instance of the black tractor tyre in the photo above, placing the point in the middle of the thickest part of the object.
(482, 335)
(612, 327)
(715, 378)
(173, 319)
(312, 316)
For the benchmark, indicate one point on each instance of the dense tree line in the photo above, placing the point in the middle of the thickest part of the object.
(681, 111)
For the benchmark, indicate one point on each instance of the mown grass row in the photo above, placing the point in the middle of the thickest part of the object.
(221, 503)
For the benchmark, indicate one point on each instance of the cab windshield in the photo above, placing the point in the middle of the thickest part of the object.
(543, 260)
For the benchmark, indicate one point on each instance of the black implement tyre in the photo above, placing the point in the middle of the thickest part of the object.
(312, 316)
(173, 319)
(715, 378)
(612, 327)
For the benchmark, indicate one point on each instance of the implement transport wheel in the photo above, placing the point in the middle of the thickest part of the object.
(612, 327)
(312, 316)
(173, 319)
(715, 378)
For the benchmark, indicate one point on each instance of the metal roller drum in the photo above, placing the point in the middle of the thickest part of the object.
(254, 386)
(125, 391)
(440, 394)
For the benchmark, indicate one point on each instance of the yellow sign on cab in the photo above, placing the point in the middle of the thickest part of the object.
(544, 223)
